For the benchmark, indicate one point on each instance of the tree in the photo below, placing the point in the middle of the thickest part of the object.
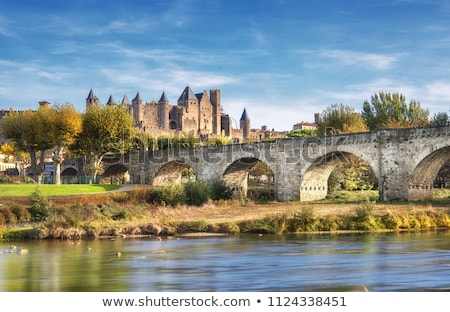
(64, 124)
(354, 174)
(105, 130)
(218, 141)
(28, 130)
(301, 133)
(262, 172)
(388, 110)
(8, 151)
(337, 119)
(440, 119)
(14, 154)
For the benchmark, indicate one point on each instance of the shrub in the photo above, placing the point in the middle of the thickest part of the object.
(123, 214)
(264, 226)
(196, 193)
(8, 215)
(328, 223)
(303, 221)
(392, 221)
(229, 228)
(137, 196)
(193, 226)
(173, 194)
(365, 212)
(39, 206)
(261, 195)
(220, 190)
(443, 220)
(154, 196)
(268, 225)
(366, 219)
(21, 213)
(75, 215)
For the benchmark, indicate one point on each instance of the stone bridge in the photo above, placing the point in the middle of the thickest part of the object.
(405, 162)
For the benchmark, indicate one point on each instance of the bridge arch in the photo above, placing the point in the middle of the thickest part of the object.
(69, 175)
(236, 174)
(70, 171)
(171, 172)
(420, 184)
(314, 178)
(116, 174)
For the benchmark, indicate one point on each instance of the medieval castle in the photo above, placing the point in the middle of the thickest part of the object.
(197, 114)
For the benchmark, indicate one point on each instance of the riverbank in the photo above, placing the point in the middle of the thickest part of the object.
(127, 214)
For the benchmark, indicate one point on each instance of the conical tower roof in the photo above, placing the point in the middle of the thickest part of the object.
(91, 96)
(187, 95)
(164, 97)
(245, 116)
(111, 101)
(125, 100)
(137, 98)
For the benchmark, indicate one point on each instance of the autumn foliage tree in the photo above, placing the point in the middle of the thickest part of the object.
(64, 124)
(106, 130)
(37, 132)
(338, 119)
(28, 130)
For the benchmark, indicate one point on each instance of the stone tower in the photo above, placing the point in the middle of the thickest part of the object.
(190, 111)
(163, 111)
(204, 114)
(214, 96)
(245, 125)
(92, 99)
(138, 108)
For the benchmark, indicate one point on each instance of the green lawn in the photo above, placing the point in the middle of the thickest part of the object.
(51, 189)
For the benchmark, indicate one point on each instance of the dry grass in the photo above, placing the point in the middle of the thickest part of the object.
(236, 212)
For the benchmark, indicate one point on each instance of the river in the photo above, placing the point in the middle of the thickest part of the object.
(381, 262)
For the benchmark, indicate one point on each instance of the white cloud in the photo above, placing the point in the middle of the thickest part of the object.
(438, 91)
(258, 36)
(436, 96)
(368, 60)
(5, 32)
(132, 26)
(5, 27)
(280, 116)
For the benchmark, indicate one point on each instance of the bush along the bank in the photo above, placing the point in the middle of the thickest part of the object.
(193, 193)
(364, 219)
(196, 193)
(40, 206)
(220, 190)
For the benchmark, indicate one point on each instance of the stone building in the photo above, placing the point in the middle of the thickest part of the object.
(305, 126)
(197, 114)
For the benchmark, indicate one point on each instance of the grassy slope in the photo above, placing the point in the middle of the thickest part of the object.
(49, 189)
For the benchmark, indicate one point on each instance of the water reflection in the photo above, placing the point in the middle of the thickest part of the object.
(322, 262)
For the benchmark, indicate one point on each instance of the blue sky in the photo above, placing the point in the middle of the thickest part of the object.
(283, 60)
